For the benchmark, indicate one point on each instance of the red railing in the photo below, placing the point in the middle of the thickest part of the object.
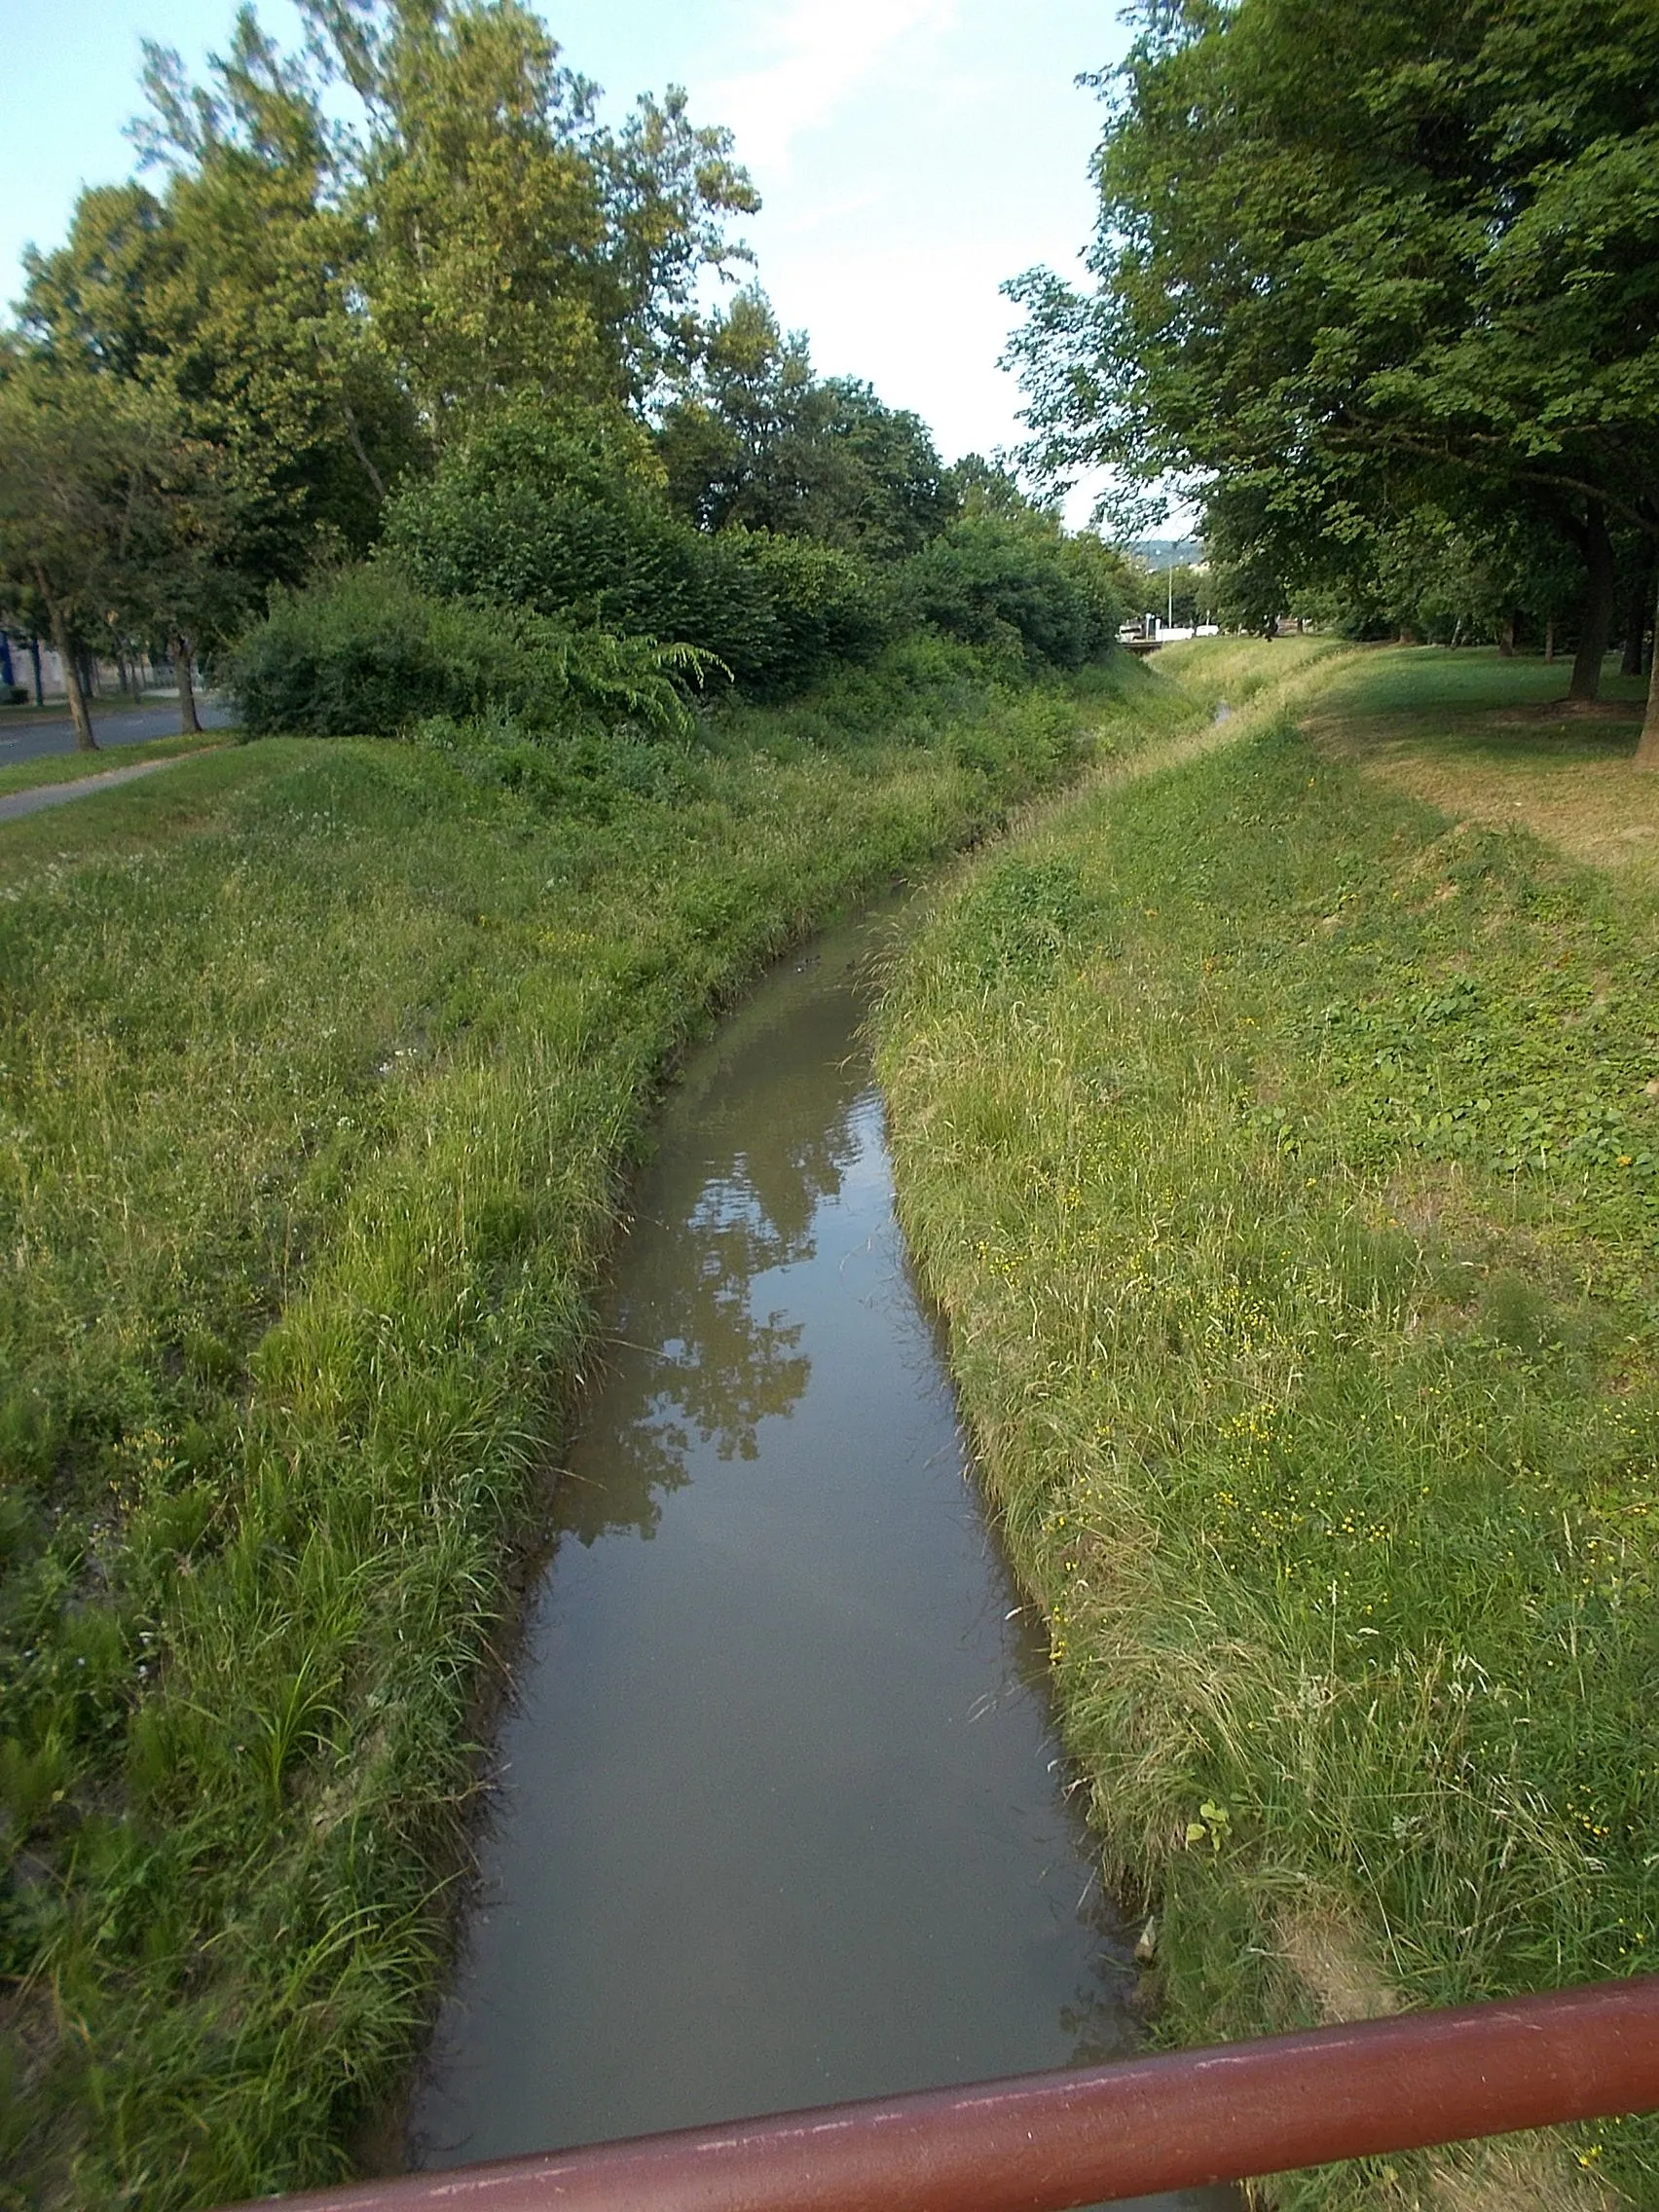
(1043, 2141)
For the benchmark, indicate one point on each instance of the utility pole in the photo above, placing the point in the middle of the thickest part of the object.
(1171, 591)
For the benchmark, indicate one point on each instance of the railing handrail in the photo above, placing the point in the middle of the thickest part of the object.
(1041, 2142)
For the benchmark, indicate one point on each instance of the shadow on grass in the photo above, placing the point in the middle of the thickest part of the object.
(1477, 708)
(1497, 740)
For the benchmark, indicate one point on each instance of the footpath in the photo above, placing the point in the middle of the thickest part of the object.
(16, 803)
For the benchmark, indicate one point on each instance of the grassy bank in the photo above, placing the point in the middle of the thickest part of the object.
(70, 767)
(320, 1064)
(1285, 1154)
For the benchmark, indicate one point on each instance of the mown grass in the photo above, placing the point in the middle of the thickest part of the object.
(318, 1065)
(1490, 740)
(1285, 1155)
(71, 767)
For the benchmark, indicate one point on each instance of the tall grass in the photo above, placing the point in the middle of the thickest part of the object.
(1286, 1158)
(318, 1065)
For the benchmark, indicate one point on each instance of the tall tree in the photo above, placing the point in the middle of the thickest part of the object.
(1351, 261)
(229, 298)
(764, 443)
(515, 245)
(260, 333)
(74, 452)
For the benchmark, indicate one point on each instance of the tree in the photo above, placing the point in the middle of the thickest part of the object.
(226, 302)
(73, 450)
(990, 488)
(516, 246)
(567, 515)
(1018, 582)
(765, 443)
(259, 333)
(1355, 261)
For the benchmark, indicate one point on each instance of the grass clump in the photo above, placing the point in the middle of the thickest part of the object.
(318, 1064)
(1285, 1155)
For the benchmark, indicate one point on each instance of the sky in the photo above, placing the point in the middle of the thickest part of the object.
(910, 154)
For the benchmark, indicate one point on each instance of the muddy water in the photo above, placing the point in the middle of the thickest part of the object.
(780, 1818)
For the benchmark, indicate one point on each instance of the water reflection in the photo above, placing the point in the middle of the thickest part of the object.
(700, 1356)
(779, 1810)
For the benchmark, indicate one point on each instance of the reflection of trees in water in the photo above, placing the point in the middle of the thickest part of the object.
(732, 1366)
(722, 1366)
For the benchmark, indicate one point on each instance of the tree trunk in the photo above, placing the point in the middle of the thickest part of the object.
(1647, 746)
(362, 451)
(1549, 639)
(1506, 638)
(85, 741)
(78, 711)
(187, 717)
(34, 664)
(1635, 620)
(1597, 625)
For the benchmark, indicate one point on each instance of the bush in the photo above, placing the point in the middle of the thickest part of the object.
(1014, 581)
(567, 518)
(366, 653)
(807, 608)
(564, 516)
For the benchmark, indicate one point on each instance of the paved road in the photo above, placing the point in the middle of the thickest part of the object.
(115, 725)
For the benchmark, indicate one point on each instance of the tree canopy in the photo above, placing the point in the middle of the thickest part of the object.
(760, 441)
(405, 297)
(1354, 262)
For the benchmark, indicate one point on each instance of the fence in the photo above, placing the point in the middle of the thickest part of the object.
(1039, 2142)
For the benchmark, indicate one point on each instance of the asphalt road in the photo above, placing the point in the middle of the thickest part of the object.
(114, 725)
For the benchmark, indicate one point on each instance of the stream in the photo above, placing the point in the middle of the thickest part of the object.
(778, 1811)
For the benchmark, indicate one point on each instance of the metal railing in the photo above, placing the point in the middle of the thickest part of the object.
(1039, 2142)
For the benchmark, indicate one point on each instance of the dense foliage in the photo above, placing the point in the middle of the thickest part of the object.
(762, 441)
(365, 653)
(407, 287)
(568, 518)
(1356, 268)
(991, 579)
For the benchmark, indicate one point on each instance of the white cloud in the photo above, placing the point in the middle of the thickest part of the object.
(818, 51)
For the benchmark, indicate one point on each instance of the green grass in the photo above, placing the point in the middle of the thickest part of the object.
(1423, 679)
(318, 1067)
(1285, 1155)
(71, 767)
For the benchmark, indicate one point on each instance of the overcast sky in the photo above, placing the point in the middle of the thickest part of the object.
(911, 154)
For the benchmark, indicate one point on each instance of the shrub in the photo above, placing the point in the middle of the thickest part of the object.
(809, 608)
(561, 515)
(1013, 579)
(366, 653)
(565, 517)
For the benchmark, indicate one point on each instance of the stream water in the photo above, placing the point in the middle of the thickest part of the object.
(779, 1813)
